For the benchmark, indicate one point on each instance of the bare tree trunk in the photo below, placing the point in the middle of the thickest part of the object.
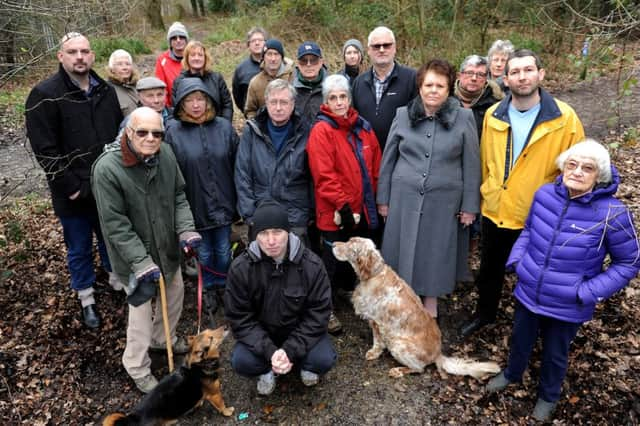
(154, 14)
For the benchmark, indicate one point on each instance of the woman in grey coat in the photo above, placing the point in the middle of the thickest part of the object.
(428, 188)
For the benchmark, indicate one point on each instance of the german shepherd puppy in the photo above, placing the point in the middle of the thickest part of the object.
(185, 388)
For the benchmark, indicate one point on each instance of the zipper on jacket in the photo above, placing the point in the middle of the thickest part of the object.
(551, 245)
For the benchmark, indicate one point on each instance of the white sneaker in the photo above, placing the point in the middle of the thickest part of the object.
(266, 383)
(309, 378)
(115, 282)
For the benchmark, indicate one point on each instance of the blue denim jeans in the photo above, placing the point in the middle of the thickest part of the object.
(78, 237)
(214, 254)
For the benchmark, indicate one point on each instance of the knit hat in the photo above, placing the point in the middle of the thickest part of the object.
(269, 215)
(150, 83)
(177, 29)
(274, 44)
(309, 48)
(355, 43)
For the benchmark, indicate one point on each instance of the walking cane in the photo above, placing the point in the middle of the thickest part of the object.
(165, 321)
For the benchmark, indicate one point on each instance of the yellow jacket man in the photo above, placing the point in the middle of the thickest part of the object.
(521, 138)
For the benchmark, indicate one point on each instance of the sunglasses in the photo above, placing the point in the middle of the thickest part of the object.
(309, 61)
(142, 133)
(377, 46)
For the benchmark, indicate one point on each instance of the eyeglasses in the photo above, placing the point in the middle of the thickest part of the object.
(476, 74)
(587, 168)
(256, 40)
(377, 46)
(142, 133)
(178, 37)
(279, 102)
(309, 61)
(334, 98)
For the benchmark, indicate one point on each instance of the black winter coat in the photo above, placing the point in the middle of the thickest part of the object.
(67, 131)
(400, 90)
(206, 155)
(271, 306)
(218, 91)
(262, 174)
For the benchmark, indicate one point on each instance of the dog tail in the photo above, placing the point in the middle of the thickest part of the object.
(466, 367)
(118, 419)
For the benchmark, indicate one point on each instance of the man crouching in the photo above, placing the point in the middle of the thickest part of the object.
(145, 218)
(278, 302)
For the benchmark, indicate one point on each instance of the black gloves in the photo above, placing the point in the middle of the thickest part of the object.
(145, 285)
(347, 221)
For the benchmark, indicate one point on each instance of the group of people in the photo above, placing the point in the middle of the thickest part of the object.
(417, 160)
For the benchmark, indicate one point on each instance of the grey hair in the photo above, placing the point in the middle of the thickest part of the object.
(280, 84)
(589, 148)
(117, 54)
(500, 46)
(380, 30)
(474, 61)
(256, 30)
(335, 82)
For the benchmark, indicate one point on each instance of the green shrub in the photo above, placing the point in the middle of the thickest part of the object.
(103, 47)
(221, 5)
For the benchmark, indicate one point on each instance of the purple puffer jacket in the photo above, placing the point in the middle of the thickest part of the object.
(560, 253)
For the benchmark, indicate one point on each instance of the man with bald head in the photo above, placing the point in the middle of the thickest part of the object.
(146, 220)
(385, 87)
(69, 118)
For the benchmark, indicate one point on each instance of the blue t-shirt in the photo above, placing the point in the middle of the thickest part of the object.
(521, 123)
(278, 134)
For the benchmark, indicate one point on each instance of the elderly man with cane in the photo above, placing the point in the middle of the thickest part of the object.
(145, 219)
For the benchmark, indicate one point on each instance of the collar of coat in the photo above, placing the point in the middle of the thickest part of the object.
(446, 115)
(73, 87)
(549, 109)
(129, 157)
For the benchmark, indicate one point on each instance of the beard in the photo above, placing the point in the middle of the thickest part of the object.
(525, 93)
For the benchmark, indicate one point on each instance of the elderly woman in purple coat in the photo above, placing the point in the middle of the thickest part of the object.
(572, 225)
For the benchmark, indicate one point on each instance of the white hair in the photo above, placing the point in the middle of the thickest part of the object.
(335, 82)
(504, 47)
(589, 148)
(379, 31)
(119, 53)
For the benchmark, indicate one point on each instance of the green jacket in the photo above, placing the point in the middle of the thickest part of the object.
(142, 211)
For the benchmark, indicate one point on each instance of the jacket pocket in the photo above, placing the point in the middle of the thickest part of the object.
(291, 305)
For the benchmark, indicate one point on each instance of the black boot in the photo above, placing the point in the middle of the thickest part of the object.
(90, 316)
(210, 306)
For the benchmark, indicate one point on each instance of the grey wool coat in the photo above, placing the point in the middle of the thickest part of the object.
(430, 172)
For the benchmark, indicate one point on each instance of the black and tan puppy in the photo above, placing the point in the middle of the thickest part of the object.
(184, 389)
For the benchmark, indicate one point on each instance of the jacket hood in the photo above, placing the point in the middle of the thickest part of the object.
(294, 249)
(189, 85)
(446, 115)
(599, 191)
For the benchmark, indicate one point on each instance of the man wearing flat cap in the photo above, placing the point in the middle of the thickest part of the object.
(274, 66)
(278, 302)
(152, 93)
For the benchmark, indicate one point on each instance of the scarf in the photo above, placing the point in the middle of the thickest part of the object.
(467, 97)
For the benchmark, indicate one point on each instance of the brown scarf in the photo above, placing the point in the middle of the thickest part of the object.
(468, 98)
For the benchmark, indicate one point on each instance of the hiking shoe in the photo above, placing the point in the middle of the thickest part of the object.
(115, 282)
(335, 326)
(497, 383)
(543, 410)
(180, 347)
(309, 378)
(266, 383)
(147, 383)
(90, 316)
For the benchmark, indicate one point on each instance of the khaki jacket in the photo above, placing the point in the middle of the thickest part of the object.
(255, 92)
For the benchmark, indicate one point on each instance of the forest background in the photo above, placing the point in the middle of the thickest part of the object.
(53, 371)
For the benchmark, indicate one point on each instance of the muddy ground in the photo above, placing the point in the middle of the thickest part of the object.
(54, 371)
